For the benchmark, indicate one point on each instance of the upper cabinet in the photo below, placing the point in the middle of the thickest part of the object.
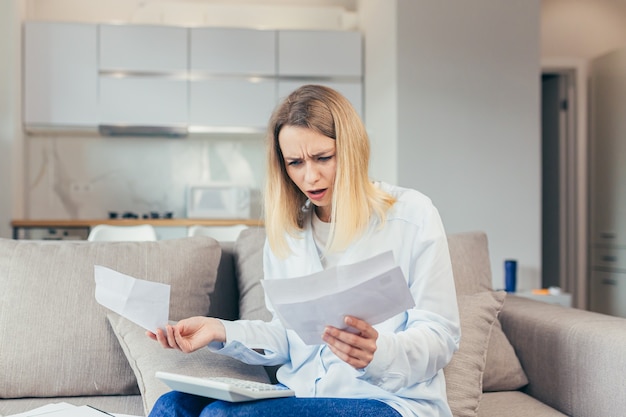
(143, 75)
(229, 51)
(316, 53)
(330, 58)
(200, 79)
(60, 74)
(232, 78)
(152, 49)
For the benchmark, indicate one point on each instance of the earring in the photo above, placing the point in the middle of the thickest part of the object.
(307, 206)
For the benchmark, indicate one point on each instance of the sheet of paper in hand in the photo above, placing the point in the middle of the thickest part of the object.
(373, 290)
(145, 303)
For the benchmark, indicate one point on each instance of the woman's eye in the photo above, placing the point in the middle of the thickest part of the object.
(293, 163)
(325, 158)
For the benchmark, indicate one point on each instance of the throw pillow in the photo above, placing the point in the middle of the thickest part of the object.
(248, 252)
(464, 373)
(503, 370)
(146, 357)
(50, 319)
(469, 253)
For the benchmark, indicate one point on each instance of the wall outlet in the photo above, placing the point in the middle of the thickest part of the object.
(80, 188)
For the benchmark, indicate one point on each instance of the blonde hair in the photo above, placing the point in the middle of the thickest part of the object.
(355, 199)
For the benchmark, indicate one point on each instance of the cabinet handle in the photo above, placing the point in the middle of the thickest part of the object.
(609, 258)
(608, 235)
(609, 281)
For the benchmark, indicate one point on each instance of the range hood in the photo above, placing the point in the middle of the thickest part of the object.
(134, 130)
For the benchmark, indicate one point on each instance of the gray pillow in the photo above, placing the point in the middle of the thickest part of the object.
(55, 337)
(146, 357)
(248, 252)
(464, 374)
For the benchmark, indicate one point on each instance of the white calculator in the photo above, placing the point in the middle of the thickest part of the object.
(224, 388)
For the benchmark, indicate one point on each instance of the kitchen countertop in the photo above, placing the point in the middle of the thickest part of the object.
(175, 222)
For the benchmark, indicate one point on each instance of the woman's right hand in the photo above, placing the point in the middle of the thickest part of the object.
(190, 334)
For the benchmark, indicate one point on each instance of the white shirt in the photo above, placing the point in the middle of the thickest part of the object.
(412, 348)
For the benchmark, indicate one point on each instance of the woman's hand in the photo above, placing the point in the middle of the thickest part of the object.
(190, 334)
(356, 349)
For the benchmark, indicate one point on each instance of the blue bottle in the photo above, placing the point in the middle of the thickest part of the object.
(510, 275)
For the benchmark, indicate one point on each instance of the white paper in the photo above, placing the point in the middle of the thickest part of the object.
(65, 410)
(145, 303)
(373, 290)
(48, 408)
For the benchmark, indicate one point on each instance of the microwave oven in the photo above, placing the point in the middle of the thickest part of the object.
(218, 201)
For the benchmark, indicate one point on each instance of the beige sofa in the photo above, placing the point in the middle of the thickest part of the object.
(518, 357)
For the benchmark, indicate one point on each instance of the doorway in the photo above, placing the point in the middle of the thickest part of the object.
(564, 194)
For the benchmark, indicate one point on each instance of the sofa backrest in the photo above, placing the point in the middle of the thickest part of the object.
(237, 287)
(469, 253)
(225, 297)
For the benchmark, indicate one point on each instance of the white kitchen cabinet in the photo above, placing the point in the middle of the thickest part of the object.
(233, 78)
(237, 103)
(143, 75)
(60, 74)
(608, 150)
(230, 51)
(143, 48)
(610, 258)
(317, 53)
(143, 101)
(608, 292)
(330, 58)
(353, 91)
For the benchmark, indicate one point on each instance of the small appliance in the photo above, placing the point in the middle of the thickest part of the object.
(218, 201)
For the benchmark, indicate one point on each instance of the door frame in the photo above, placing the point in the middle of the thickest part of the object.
(575, 198)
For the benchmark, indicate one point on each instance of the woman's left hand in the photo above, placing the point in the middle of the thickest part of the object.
(355, 348)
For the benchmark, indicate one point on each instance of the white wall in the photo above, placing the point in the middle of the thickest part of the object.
(10, 127)
(582, 28)
(468, 121)
(377, 20)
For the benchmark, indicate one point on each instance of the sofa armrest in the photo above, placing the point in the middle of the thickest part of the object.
(575, 360)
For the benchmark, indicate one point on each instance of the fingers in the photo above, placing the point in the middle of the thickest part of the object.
(356, 349)
(166, 339)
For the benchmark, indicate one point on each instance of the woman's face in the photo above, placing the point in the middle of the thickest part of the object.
(311, 164)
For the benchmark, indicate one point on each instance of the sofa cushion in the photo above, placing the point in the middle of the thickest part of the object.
(248, 253)
(469, 253)
(59, 338)
(146, 357)
(503, 370)
(464, 374)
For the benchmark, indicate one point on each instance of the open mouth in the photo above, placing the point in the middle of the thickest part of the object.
(317, 194)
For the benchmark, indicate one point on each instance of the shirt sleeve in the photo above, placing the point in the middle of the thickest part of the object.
(431, 333)
(256, 342)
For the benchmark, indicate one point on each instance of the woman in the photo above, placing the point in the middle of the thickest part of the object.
(321, 210)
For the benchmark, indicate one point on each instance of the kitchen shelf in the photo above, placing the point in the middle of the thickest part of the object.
(19, 224)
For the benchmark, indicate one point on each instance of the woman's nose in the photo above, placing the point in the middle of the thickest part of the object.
(312, 173)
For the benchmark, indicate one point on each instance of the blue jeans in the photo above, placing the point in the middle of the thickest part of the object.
(178, 404)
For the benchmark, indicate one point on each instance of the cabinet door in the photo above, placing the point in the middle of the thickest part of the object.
(319, 53)
(353, 91)
(233, 81)
(608, 293)
(143, 75)
(144, 48)
(608, 150)
(60, 74)
(146, 101)
(609, 258)
(220, 51)
(231, 103)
